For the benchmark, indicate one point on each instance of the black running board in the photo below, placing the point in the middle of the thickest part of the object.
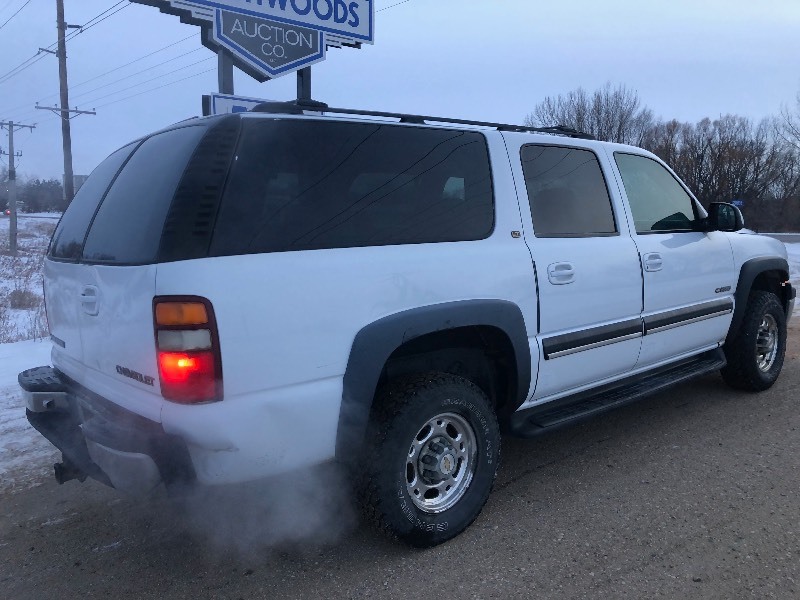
(567, 411)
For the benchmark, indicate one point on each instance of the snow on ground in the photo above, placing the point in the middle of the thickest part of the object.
(794, 262)
(53, 216)
(21, 307)
(25, 455)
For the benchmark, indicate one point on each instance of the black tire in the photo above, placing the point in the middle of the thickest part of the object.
(399, 454)
(754, 358)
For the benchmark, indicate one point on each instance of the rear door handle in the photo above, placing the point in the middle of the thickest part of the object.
(560, 273)
(89, 297)
(652, 261)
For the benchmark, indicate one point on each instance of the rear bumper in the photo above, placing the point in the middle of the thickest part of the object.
(101, 440)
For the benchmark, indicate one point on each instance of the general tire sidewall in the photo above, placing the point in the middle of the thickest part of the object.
(408, 521)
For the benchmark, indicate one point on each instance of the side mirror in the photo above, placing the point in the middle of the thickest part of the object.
(724, 217)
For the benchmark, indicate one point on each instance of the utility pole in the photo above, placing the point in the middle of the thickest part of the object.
(12, 182)
(64, 110)
(66, 135)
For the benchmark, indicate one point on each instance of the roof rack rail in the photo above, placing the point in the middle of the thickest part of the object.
(298, 107)
(292, 107)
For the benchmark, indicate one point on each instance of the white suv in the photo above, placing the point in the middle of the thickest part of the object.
(245, 295)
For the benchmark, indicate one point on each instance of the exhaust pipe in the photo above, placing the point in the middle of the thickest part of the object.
(66, 471)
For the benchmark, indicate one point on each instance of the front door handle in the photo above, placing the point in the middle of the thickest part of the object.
(89, 297)
(560, 273)
(652, 262)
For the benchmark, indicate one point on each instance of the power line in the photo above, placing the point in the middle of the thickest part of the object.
(114, 70)
(21, 67)
(137, 94)
(26, 108)
(105, 85)
(157, 88)
(89, 24)
(392, 6)
(15, 14)
(109, 9)
(147, 81)
(124, 4)
(96, 20)
(22, 146)
(138, 59)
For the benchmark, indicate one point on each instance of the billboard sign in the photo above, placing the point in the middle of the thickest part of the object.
(223, 104)
(271, 46)
(269, 38)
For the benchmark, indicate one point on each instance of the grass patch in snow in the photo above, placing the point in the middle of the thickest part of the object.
(22, 314)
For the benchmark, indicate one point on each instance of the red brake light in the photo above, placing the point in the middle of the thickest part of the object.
(187, 377)
(189, 361)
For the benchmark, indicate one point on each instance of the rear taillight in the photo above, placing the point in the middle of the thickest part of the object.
(189, 360)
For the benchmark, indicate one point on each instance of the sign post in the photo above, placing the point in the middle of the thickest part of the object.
(224, 71)
(304, 84)
(271, 38)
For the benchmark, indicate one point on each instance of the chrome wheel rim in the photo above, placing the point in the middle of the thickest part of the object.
(441, 462)
(766, 343)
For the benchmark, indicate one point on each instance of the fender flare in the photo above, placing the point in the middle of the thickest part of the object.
(375, 343)
(747, 275)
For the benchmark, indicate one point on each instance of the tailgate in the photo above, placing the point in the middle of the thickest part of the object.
(116, 323)
(101, 324)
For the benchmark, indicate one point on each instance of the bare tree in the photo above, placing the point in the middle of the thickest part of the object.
(610, 114)
(664, 140)
(731, 158)
(789, 125)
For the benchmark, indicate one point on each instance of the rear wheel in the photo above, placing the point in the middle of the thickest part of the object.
(432, 457)
(755, 355)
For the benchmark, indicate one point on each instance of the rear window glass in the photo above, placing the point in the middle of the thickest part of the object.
(68, 238)
(566, 192)
(306, 185)
(128, 225)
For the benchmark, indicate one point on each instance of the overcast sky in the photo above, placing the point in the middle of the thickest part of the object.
(476, 59)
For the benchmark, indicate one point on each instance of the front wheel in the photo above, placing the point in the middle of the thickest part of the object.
(432, 457)
(755, 355)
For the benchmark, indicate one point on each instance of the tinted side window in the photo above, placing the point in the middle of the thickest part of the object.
(658, 202)
(128, 225)
(68, 237)
(301, 185)
(566, 192)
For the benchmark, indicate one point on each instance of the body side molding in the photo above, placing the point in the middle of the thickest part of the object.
(684, 316)
(568, 343)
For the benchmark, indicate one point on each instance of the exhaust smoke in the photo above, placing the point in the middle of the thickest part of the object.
(300, 510)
